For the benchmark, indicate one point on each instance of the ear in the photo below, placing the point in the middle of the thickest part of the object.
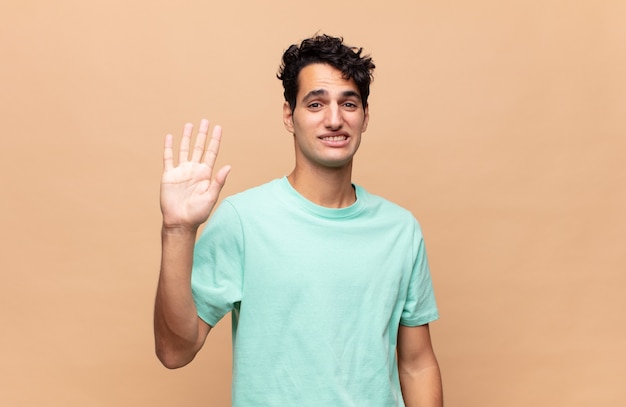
(288, 117)
(366, 118)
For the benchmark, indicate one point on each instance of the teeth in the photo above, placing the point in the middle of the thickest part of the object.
(335, 138)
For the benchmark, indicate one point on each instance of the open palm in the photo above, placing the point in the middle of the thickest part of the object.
(188, 191)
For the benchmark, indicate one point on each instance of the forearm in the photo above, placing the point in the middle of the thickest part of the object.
(422, 388)
(176, 325)
(420, 378)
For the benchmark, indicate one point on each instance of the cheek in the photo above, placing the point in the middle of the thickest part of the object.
(359, 123)
(305, 123)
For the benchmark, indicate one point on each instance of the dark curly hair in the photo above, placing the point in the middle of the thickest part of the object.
(327, 50)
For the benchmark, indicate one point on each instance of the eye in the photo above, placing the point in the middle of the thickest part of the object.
(314, 105)
(350, 105)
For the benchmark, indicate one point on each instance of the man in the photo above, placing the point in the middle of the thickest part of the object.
(328, 285)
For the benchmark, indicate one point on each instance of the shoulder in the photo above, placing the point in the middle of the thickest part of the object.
(389, 214)
(254, 194)
(383, 205)
(234, 209)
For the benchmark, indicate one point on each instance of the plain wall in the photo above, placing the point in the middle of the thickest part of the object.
(500, 125)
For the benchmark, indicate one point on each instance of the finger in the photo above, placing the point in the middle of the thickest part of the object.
(168, 154)
(219, 180)
(214, 147)
(198, 149)
(183, 155)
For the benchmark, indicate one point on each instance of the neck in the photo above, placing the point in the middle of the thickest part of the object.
(329, 187)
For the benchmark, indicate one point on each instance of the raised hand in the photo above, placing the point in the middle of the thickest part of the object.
(189, 191)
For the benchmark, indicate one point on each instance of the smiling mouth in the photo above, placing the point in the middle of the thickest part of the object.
(334, 138)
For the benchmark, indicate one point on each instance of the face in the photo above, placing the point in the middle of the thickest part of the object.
(328, 119)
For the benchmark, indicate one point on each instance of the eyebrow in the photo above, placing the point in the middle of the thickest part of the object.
(322, 92)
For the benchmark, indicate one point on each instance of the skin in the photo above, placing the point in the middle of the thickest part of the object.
(189, 192)
(327, 124)
(420, 378)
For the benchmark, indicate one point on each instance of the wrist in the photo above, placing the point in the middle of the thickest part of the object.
(179, 230)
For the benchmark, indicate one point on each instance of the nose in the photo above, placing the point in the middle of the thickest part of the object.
(334, 118)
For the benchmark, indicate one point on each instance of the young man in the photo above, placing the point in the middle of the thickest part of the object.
(328, 285)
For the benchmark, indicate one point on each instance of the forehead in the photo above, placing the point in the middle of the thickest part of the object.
(323, 77)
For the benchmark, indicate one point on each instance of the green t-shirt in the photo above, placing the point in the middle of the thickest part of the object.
(316, 295)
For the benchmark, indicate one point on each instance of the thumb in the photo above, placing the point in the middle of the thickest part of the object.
(220, 178)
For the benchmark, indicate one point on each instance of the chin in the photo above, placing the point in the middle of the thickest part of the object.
(337, 164)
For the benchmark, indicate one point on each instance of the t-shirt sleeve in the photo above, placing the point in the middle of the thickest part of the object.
(420, 306)
(217, 273)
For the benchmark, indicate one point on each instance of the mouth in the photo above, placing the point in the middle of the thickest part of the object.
(339, 137)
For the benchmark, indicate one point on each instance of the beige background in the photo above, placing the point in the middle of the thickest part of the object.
(501, 125)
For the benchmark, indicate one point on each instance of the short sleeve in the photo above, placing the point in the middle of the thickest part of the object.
(217, 273)
(420, 306)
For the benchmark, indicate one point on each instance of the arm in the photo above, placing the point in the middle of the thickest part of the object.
(420, 378)
(188, 195)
